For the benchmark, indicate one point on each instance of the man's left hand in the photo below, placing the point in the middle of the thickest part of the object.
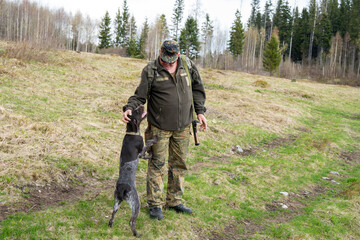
(202, 121)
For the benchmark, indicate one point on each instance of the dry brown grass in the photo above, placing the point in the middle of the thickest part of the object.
(64, 116)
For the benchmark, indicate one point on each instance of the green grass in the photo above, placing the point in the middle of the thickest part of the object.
(76, 132)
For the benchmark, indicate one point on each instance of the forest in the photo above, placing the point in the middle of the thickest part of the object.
(319, 42)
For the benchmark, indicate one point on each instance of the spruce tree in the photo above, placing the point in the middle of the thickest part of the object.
(207, 31)
(354, 27)
(189, 38)
(105, 35)
(237, 36)
(255, 7)
(272, 55)
(143, 39)
(297, 55)
(133, 48)
(117, 26)
(267, 23)
(334, 15)
(162, 28)
(305, 33)
(283, 21)
(177, 17)
(323, 34)
(125, 27)
(344, 17)
(132, 27)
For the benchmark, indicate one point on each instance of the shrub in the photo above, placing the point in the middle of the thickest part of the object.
(24, 52)
(261, 83)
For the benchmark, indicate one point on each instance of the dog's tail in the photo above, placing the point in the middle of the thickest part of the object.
(122, 190)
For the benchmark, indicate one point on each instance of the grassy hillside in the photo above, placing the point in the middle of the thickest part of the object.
(61, 135)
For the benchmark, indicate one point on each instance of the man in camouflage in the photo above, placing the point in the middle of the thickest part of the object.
(169, 92)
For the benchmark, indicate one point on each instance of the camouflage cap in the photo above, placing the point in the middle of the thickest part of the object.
(169, 51)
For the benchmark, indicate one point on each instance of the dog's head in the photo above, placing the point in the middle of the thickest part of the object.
(136, 118)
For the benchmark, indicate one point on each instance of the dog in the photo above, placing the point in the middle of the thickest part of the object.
(132, 149)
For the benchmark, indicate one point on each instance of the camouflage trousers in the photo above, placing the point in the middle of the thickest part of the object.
(176, 143)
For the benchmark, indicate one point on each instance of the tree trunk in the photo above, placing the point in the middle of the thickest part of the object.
(254, 52)
(38, 27)
(262, 36)
(352, 65)
(312, 39)
(358, 71)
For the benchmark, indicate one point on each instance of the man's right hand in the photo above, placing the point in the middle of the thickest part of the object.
(126, 115)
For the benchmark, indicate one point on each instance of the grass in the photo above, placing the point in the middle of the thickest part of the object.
(60, 125)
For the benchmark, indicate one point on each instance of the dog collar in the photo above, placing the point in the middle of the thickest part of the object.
(133, 133)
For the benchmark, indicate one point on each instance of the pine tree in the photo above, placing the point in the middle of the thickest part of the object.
(272, 54)
(189, 38)
(117, 26)
(237, 36)
(177, 17)
(105, 35)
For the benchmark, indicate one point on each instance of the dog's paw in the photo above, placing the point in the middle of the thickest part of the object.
(156, 139)
(145, 156)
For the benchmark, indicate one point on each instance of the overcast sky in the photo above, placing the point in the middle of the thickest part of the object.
(221, 11)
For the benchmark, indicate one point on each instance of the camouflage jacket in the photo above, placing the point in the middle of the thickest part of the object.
(169, 100)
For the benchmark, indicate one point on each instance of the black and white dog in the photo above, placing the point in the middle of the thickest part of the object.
(132, 149)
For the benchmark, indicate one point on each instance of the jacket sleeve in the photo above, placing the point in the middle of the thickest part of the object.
(198, 90)
(140, 95)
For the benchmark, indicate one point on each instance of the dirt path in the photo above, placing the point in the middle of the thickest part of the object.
(37, 198)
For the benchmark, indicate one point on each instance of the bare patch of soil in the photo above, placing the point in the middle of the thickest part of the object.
(296, 202)
(221, 159)
(200, 165)
(276, 142)
(351, 157)
(355, 117)
(37, 198)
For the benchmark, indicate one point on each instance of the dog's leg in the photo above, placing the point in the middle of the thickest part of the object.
(134, 203)
(148, 144)
(116, 208)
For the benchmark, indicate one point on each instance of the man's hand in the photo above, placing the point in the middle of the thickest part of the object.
(202, 121)
(126, 115)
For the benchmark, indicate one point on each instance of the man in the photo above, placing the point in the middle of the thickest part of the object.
(165, 84)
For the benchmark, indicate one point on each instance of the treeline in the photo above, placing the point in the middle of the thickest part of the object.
(321, 41)
(26, 21)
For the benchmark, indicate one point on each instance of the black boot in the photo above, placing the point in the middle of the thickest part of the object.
(182, 209)
(155, 212)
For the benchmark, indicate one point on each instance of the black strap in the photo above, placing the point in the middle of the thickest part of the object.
(151, 69)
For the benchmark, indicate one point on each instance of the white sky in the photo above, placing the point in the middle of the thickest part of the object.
(222, 12)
